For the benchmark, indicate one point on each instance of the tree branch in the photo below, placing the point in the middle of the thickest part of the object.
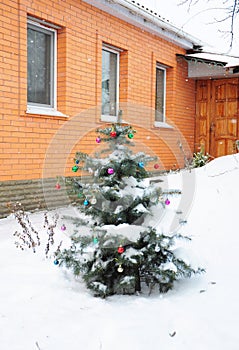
(231, 8)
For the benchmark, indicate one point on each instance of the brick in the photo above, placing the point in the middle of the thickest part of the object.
(84, 29)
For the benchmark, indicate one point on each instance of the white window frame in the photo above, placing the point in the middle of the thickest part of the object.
(112, 118)
(42, 109)
(162, 124)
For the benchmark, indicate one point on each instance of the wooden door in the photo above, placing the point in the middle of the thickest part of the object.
(224, 117)
(217, 119)
(203, 96)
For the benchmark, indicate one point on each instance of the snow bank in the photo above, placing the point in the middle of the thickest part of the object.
(43, 307)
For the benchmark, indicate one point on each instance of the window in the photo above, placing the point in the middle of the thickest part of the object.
(160, 94)
(110, 82)
(41, 65)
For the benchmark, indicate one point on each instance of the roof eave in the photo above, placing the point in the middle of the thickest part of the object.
(204, 68)
(139, 17)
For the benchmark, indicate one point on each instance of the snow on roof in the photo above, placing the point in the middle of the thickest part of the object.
(132, 11)
(204, 65)
(225, 60)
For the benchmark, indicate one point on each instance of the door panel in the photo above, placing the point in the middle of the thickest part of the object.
(202, 115)
(217, 119)
(224, 116)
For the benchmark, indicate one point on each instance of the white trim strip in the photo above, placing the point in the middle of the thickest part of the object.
(43, 22)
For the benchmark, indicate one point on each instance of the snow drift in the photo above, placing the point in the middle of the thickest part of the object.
(43, 307)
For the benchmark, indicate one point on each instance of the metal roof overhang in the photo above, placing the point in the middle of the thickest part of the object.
(211, 66)
(147, 20)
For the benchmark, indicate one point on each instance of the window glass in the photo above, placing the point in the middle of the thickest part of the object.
(40, 69)
(109, 82)
(160, 95)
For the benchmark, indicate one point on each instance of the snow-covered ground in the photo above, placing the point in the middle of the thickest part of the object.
(44, 308)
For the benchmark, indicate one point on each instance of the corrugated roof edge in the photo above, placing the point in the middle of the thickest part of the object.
(210, 57)
(141, 16)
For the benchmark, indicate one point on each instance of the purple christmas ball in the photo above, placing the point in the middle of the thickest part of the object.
(167, 202)
(98, 139)
(110, 171)
(63, 227)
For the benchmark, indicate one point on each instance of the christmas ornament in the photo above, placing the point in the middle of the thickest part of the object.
(157, 248)
(77, 161)
(75, 168)
(58, 186)
(93, 200)
(56, 262)
(120, 269)
(167, 202)
(153, 199)
(130, 135)
(120, 249)
(98, 139)
(110, 171)
(63, 227)
(156, 166)
(182, 222)
(95, 240)
(113, 134)
(141, 164)
(86, 202)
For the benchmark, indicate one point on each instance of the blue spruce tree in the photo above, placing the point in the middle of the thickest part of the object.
(120, 253)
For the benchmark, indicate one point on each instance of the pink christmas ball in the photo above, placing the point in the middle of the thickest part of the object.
(98, 139)
(167, 202)
(63, 227)
(110, 171)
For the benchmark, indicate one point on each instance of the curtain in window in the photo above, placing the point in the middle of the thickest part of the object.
(39, 67)
(159, 100)
(109, 82)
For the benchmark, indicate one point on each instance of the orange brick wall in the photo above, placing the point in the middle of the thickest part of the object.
(35, 146)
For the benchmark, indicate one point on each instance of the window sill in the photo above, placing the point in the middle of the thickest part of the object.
(44, 111)
(163, 125)
(108, 118)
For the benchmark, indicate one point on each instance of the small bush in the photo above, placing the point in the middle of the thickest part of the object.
(200, 159)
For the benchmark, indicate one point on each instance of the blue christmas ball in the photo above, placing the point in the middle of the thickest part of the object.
(77, 161)
(95, 240)
(56, 262)
(141, 164)
(86, 202)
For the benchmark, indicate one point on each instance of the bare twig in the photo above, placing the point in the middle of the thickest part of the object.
(37, 345)
(229, 7)
(28, 236)
(50, 230)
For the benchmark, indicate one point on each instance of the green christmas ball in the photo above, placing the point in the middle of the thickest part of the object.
(95, 240)
(75, 168)
(130, 135)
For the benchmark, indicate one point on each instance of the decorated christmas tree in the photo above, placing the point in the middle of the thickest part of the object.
(120, 253)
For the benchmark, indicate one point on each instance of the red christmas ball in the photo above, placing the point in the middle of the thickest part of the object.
(120, 249)
(113, 134)
(58, 186)
(156, 166)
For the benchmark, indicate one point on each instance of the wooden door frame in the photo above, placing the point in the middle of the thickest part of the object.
(206, 116)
